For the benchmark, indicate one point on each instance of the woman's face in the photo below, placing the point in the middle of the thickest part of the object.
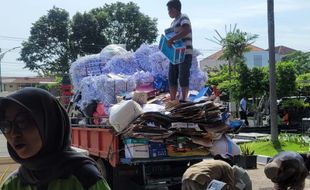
(21, 131)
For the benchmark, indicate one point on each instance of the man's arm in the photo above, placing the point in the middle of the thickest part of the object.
(185, 29)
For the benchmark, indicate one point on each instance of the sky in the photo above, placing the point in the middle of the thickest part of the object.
(292, 18)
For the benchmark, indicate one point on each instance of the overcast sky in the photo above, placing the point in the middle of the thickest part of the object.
(292, 18)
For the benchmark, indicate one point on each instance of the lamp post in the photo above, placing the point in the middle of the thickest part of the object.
(1, 56)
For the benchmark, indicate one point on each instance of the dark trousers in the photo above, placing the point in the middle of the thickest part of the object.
(244, 117)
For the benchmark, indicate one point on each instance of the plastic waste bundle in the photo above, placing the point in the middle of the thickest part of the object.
(122, 64)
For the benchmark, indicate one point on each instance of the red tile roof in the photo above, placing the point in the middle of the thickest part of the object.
(283, 50)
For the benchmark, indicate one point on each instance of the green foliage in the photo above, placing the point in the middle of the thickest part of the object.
(286, 79)
(259, 82)
(293, 103)
(234, 44)
(303, 83)
(47, 51)
(246, 149)
(292, 138)
(301, 60)
(287, 142)
(87, 36)
(56, 41)
(127, 25)
(244, 82)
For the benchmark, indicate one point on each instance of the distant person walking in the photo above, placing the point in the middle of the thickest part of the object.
(179, 73)
(243, 110)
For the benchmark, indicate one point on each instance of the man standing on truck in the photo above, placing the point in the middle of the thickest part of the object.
(181, 25)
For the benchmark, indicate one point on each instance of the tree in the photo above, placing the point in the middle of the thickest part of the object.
(303, 83)
(87, 35)
(56, 41)
(301, 60)
(286, 79)
(127, 25)
(47, 49)
(234, 45)
(258, 82)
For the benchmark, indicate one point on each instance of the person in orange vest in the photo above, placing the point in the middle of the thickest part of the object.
(285, 118)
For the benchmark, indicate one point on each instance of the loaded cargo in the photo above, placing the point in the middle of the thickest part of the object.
(121, 114)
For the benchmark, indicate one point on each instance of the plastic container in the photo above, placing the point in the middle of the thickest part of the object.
(176, 53)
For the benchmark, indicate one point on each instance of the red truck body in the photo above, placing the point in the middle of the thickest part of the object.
(124, 173)
(99, 142)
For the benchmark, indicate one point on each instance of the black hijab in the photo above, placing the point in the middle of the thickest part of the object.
(56, 159)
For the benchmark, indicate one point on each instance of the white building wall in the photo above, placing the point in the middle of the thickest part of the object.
(259, 58)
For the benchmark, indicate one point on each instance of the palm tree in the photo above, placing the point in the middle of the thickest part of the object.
(234, 45)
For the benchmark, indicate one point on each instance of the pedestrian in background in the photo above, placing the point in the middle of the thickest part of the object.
(37, 130)
(243, 111)
(180, 73)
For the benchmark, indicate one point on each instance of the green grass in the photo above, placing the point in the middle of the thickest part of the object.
(286, 142)
(266, 148)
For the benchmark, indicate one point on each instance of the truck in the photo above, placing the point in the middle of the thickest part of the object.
(107, 149)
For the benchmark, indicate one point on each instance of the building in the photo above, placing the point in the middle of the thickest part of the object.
(11, 84)
(256, 57)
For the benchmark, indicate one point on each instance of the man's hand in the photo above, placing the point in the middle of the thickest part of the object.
(170, 42)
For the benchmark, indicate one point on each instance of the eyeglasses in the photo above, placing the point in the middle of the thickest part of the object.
(21, 122)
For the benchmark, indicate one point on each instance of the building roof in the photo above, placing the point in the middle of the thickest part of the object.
(28, 80)
(218, 54)
(283, 50)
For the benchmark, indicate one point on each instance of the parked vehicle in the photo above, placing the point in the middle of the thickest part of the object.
(107, 149)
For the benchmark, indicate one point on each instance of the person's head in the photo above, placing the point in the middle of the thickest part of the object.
(20, 130)
(34, 124)
(174, 8)
(224, 157)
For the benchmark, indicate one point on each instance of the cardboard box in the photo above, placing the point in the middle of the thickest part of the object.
(184, 125)
(157, 149)
(136, 148)
(176, 53)
(140, 97)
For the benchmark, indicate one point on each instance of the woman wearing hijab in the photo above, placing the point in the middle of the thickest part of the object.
(37, 130)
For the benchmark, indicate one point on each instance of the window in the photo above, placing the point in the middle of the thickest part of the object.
(258, 60)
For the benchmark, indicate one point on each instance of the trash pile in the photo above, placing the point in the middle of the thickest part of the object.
(185, 129)
(122, 84)
(117, 72)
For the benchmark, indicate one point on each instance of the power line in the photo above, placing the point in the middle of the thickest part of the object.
(11, 37)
